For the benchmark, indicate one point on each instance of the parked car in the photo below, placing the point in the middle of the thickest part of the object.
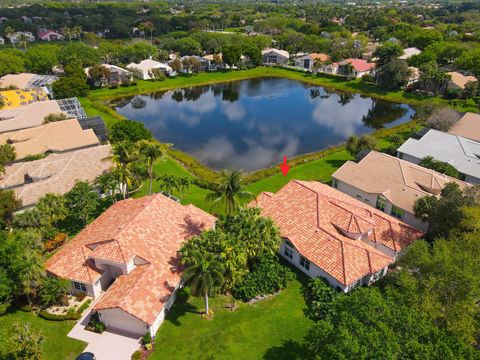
(86, 356)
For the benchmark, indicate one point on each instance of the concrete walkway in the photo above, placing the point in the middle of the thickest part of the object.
(110, 345)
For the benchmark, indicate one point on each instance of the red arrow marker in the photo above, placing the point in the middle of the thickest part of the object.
(285, 167)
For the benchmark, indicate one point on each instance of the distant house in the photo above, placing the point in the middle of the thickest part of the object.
(331, 235)
(15, 37)
(57, 173)
(49, 35)
(54, 137)
(143, 70)
(460, 152)
(307, 61)
(414, 75)
(128, 259)
(409, 52)
(458, 80)
(275, 57)
(355, 67)
(390, 184)
(367, 55)
(117, 74)
(468, 127)
(204, 63)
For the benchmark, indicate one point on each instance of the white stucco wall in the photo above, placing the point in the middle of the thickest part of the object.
(118, 319)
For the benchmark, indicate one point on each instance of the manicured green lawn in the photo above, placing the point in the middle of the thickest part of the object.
(269, 329)
(57, 346)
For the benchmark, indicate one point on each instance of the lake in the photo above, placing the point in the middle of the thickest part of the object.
(251, 124)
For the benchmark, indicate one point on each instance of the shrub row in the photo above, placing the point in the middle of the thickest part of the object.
(57, 241)
(193, 165)
(70, 315)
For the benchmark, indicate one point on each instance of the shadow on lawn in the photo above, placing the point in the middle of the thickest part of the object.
(179, 309)
(289, 350)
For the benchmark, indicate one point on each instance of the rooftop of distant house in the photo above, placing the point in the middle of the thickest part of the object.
(468, 126)
(460, 80)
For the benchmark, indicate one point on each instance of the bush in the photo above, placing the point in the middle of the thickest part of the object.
(54, 117)
(95, 325)
(70, 315)
(147, 338)
(35, 157)
(367, 78)
(57, 241)
(137, 355)
(128, 130)
(452, 94)
(80, 296)
(267, 276)
(114, 85)
(84, 307)
(320, 298)
(27, 308)
(53, 290)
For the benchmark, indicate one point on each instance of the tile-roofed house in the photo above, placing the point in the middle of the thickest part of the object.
(307, 61)
(134, 243)
(275, 56)
(390, 184)
(468, 126)
(409, 52)
(458, 81)
(329, 234)
(462, 153)
(59, 136)
(144, 68)
(27, 116)
(360, 67)
(117, 74)
(57, 173)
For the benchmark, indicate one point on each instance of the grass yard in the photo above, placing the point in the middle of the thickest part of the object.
(57, 346)
(269, 329)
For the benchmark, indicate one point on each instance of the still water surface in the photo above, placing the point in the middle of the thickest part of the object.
(251, 124)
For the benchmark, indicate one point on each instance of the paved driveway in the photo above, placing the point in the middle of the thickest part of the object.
(107, 346)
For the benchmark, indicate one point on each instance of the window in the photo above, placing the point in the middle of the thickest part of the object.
(381, 203)
(288, 249)
(79, 286)
(397, 212)
(271, 59)
(304, 262)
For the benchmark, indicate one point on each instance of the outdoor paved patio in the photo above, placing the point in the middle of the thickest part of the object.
(110, 345)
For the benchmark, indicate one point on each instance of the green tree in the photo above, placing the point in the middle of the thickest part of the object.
(53, 207)
(203, 275)
(231, 55)
(9, 203)
(73, 84)
(128, 130)
(229, 191)
(7, 154)
(82, 200)
(151, 151)
(168, 183)
(320, 298)
(107, 183)
(99, 74)
(394, 74)
(356, 144)
(32, 276)
(53, 289)
(25, 343)
(387, 52)
(42, 58)
(11, 62)
(430, 163)
(8, 32)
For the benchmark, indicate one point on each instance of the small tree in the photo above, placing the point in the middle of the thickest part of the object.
(229, 191)
(203, 274)
(52, 290)
(128, 130)
(320, 297)
(99, 74)
(54, 208)
(9, 203)
(82, 200)
(356, 144)
(176, 65)
(443, 119)
(150, 151)
(25, 343)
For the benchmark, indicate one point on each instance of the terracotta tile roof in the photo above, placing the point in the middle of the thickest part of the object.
(321, 57)
(468, 126)
(317, 218)
(149, 230)
(57, 136)
(358, 64)
(400, 181)
(57, 173)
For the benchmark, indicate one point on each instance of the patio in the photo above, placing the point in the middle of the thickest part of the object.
(110, 345)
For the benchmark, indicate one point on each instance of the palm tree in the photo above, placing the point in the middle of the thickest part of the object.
(142, 28)
(124, 158)
(9, 31)
(23, 41)
(183, 185)
(77, 31)
(151, 151)
(67, 32)
(107, 183)
(229, 191)
(203, 275)
(54, 207)
(32, 276)
(168, 183)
